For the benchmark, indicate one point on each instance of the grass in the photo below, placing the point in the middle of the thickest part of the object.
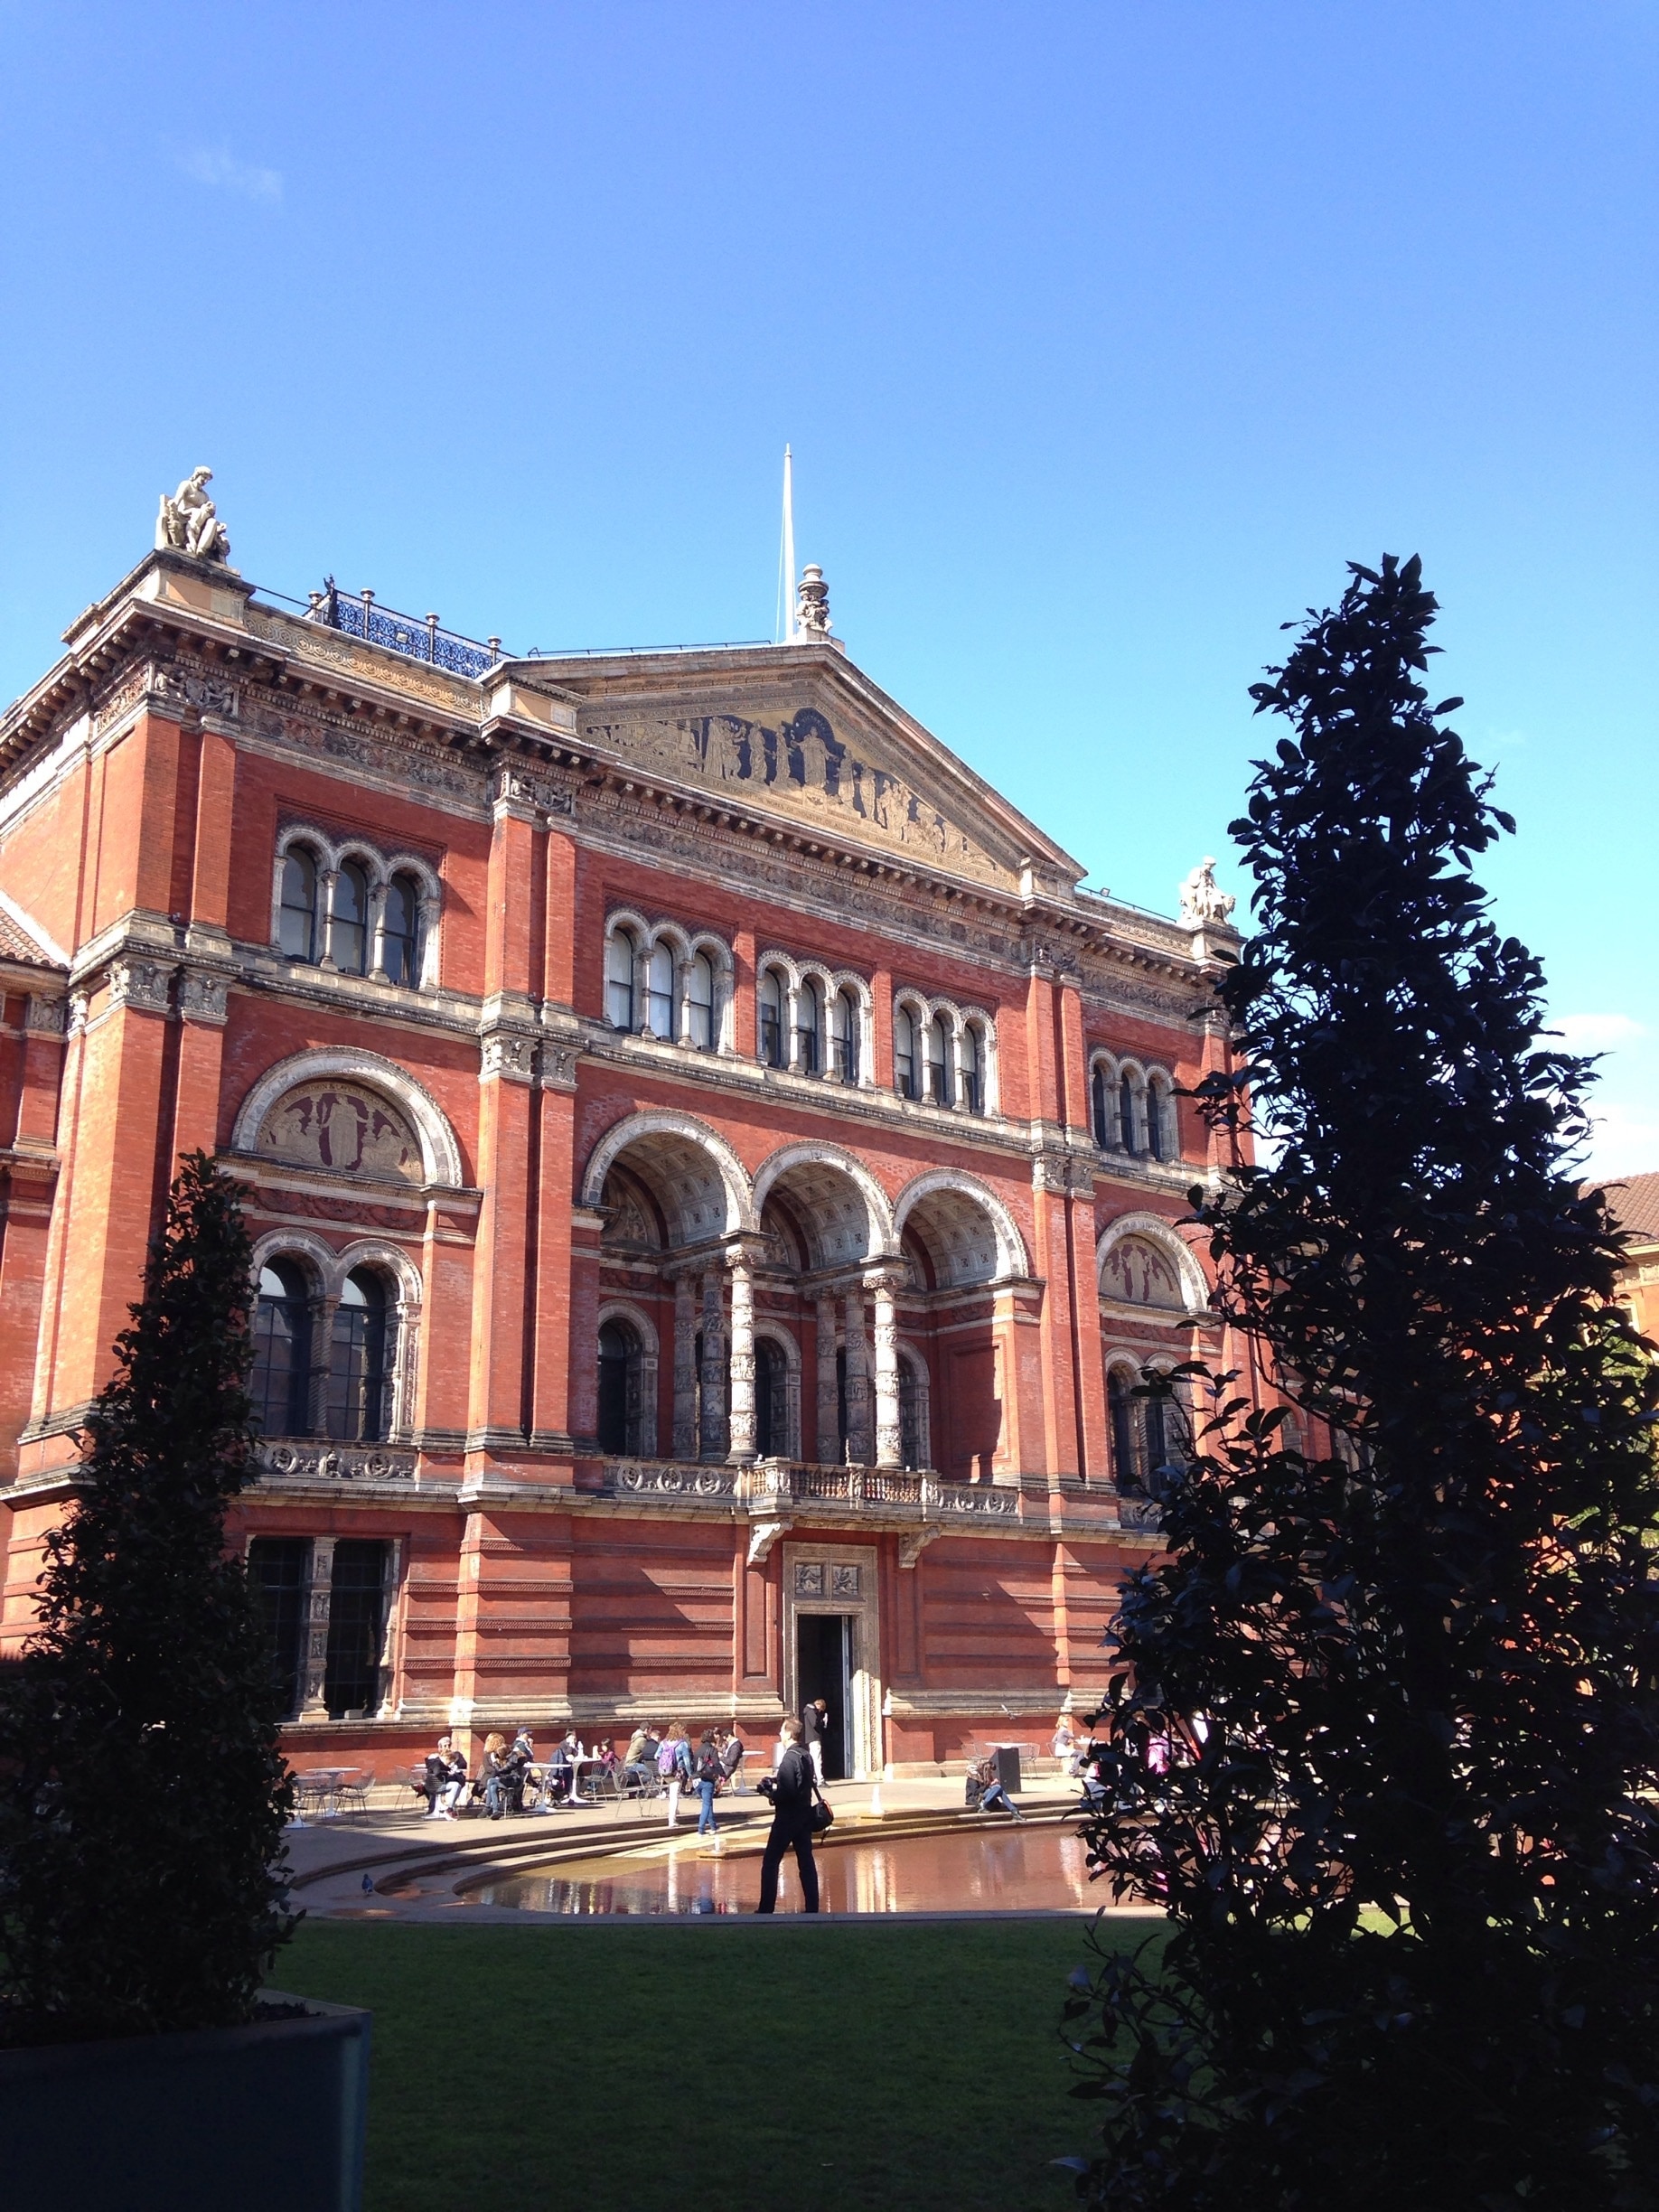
(617, 2068)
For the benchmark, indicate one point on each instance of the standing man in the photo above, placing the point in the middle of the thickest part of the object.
(814, 1720)
(791, 1791)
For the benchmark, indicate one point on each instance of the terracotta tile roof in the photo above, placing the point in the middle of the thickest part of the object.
(1635, 1201)
(16, 944)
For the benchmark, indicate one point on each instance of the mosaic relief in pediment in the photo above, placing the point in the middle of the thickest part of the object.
(344, 1127)
(804, 767)
(1139, 1274)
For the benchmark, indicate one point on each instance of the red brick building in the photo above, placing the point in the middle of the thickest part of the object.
(713, 1170)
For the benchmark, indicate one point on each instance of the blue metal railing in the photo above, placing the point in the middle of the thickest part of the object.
(356, 614)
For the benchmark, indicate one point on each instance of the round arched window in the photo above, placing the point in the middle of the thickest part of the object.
(280, 1383)
(358, 1409)
(297, 922)
(348, 936)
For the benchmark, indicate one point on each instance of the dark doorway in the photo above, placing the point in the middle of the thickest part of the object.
(823, 1669)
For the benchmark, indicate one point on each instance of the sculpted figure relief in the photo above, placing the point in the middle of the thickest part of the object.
(189, 522)
(343, 1127)
(1201, 900)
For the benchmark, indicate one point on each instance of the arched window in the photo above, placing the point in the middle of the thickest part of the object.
(297, 925)
(1155, 1120)
(348, 936)
(905, 1071)
(397, 930)
(280, 1385)
(772, 1018)
(810, 1028)
(359, 1408)
(700, 1002)
(1102, 1107)
(940, 1088)
(1129, 1464)
(772, 1422)
(1149, 1434)
(619, 1390)
(844, 1016)
(619, 959)
(659, 993)
(974, 1068)
(1126, 1114)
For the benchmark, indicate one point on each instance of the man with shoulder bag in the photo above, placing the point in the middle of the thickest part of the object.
(795, 1817)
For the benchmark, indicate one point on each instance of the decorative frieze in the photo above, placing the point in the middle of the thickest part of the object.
(324, 1461)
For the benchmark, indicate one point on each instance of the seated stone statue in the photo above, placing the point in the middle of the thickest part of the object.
(189, 522)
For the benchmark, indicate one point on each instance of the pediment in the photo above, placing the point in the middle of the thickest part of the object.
(807, 738)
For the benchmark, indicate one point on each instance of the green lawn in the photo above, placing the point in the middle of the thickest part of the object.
(755, 2070)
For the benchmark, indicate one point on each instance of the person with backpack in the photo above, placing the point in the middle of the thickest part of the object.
(674, 1766)
(709, 1775)
(792, 1789)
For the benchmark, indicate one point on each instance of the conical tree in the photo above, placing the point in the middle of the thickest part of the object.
(142, 1792)
(1410, 1859)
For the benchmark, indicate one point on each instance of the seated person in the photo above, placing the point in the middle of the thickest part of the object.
(992, 1796)
(433, 1784)
(455, 1788)
(1066, 1745)
(494, 1776)
(731, 1753)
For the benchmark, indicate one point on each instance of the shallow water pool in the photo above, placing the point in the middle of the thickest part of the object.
(975, 1869)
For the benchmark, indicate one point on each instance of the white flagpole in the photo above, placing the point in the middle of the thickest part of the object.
(789, 549)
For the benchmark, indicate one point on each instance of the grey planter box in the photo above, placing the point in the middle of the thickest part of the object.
(267, 2118)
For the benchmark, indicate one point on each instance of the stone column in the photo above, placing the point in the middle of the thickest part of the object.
(889, 1447)
(712, 1442)
(858, 1382)
(322, 1356)
(829, 1440)
(377, 933)
(743, 1425)
(685, 1368)
(328, 880)
(314, 1705)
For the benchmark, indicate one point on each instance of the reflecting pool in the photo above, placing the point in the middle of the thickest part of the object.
(978, 1868)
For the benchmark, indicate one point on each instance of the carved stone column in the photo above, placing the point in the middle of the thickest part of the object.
(377, 933)
(685, 1368)
(858, 1382)
(828, 1394)
(741, 1448)
(328, 882)
(314, 1703)
(889, 1449)
(712, 1442)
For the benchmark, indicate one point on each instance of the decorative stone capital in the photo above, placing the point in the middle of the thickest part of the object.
(204, 694)
(45, 1017)
(139, 983)
(558, 1067)
(204, 997)
(516, 790)
(506, 1055)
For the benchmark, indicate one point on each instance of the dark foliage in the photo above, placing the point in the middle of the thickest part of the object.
(1409, 1855)
(142, 1793)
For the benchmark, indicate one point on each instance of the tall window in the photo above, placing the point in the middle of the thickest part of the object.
(1155, 1120)
(1101, 1101)
(348, 936)
(659, 992)
(1149, 1434)
(810, 1028)
(359, 1368)
(772, 1018)
(1127, 1459)
(619, 1390)
(912, 1442)
(297, 923)
(700, 1002)
(1126, 1114)
(772, 1438)
(844, 1015)
(356, 1627)
(280, 1383)
(619, 958)
(277, 1569)
(940, 1089)
(906, 1057)
(399, 928)
(974, 1068)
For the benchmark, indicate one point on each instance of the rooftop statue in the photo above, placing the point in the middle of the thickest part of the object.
(189, 522)
(1202, 902)
(812, 604)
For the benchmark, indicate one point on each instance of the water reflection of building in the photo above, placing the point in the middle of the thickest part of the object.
(715, 1173)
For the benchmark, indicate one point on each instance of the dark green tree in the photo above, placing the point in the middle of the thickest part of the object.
(142, 1792)
(1410, 1868)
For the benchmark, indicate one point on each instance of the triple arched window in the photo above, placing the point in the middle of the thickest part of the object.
(811, 1019)
(353, 910)
(1133, 1109)
(324, 1364)
(662, 981)
(943, 1054)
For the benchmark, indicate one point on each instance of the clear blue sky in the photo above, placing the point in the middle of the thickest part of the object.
(1103, 335)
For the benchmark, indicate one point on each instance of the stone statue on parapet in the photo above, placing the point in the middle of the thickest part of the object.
(189, 522)
(812, 604)
(1202, 901)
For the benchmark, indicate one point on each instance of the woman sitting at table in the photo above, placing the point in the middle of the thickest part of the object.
(495, 1776)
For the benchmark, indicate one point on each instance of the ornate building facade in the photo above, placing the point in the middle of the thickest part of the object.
(714, 1172)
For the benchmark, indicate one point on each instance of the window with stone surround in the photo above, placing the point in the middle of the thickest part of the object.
(666, 982)
(350, 909)
(812, 1019)
(944, 1055)
(326, 1603)
(1132, 1108)
(326, 1339)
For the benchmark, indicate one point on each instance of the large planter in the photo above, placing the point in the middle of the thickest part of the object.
(267, 2118)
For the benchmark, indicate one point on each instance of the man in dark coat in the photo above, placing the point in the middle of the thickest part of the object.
(814, 1720)
(791, 1822)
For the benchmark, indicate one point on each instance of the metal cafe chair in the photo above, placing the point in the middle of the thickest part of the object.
(352, 1796)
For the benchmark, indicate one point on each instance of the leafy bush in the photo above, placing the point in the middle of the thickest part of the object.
(142, 1793)
(1410, 1862)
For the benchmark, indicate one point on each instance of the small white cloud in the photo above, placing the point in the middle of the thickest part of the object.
(1626, 1141)
(1589, 1032)
(217, 166)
